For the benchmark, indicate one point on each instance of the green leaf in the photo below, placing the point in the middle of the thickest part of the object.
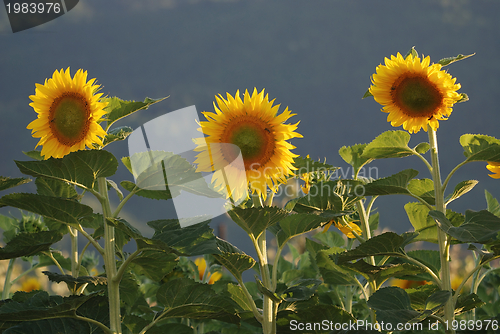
(394, 184)
(36, 155)
(461, 189)
(266, 292)
(113, 185)
(388, 243)
(81, 168)
(185, 298)
(117, 108)
(233, 259)
(301, 289)
(154, 264)
(420, 294)
(197, 239)
(42, 306)
(331, 272)
(163, 175)
(330, 239)
(424, 224)
(55, 188)
(297, 224)
(9, 227)
(353, 156)
(479, 227)
(447, 61)
(238, 295)
(484, 254)
(75, 282)
(382, 273)
(468, 302)
(493, 205)
(428, 257)
(423, 188)
(437, 300)
(390, 144)
(480, 148)
(422, 148)
(307, 165)
(7, 182)
(28, 244)
(62, 210)
(254, 221)
(392, 305)
(119, 133)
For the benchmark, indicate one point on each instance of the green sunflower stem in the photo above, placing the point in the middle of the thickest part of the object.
(269, 309)
(8, 283)
(443, 240)
(109, 261)
(73, 233)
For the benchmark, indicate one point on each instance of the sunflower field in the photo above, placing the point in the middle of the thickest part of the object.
(324, 263)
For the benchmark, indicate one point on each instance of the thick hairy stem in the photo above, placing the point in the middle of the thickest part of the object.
(268, 315)
(8, 283)
(443, 240)
(109, 261)
(75, 264)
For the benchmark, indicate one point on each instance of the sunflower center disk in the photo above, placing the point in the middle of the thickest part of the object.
(416, 96)
(254, 142)
(69, 118)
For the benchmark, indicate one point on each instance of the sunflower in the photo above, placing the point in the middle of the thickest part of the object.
(69, 113)
(348, 228)
(413, 92)
(201, 264)
(494, 167)
(250, 127)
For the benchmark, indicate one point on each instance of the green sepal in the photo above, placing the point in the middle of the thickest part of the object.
(447, 61)
(412, 52)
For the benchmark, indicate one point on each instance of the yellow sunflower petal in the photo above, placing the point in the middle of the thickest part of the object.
(494, 167)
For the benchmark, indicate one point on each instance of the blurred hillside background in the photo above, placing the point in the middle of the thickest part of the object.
(316, 57)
